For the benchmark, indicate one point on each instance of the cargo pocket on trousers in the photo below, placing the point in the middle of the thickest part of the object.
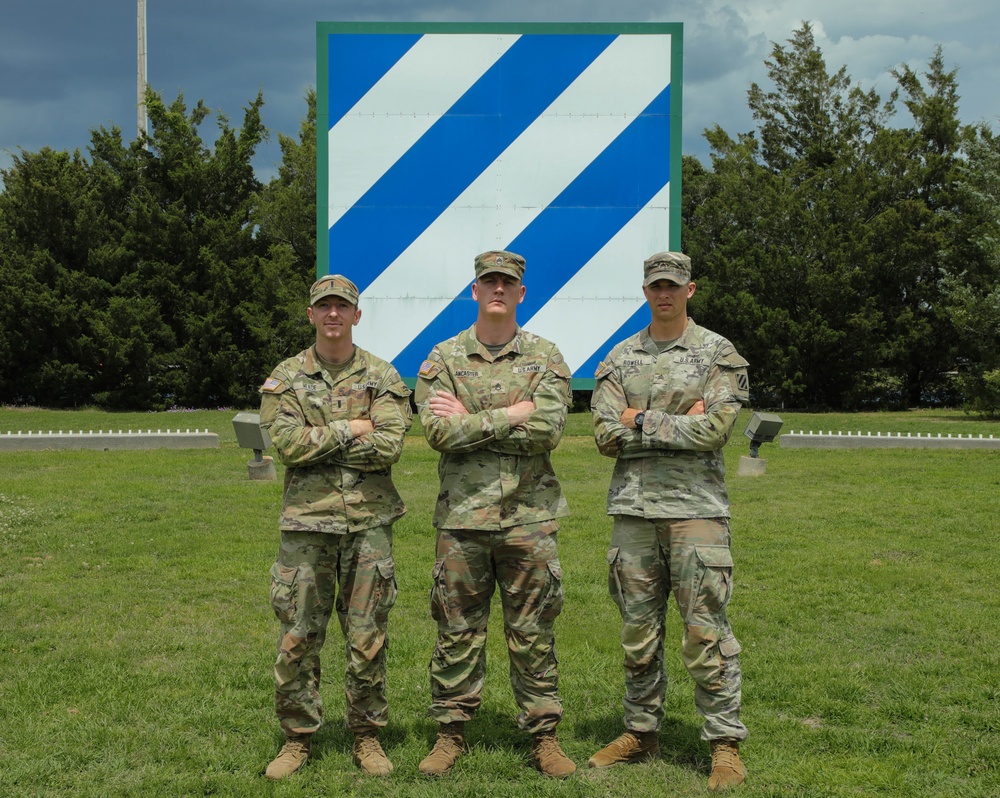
(729, 646)
(387, 588)
(614, 579)
(283, 599)
(439, 607)
(552, 604)
(714, 587)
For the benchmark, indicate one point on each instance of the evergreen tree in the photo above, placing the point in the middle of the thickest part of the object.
(820, 236)
(47, 291)
(141, 279)
(971, 291)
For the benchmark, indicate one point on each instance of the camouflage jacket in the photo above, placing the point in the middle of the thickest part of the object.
(494, 477)
(334, 482)
(674, 467)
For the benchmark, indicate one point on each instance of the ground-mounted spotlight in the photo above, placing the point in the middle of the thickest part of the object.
(761, 428)
(249, 435)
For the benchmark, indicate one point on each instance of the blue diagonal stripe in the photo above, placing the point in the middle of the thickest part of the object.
(636, 322)
(595, 206)
(459, 315)
(357, 61)
(456, 150)
(577, 225)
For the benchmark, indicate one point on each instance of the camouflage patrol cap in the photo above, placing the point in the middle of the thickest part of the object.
(672, 266)
(500, 261)
(333, 285)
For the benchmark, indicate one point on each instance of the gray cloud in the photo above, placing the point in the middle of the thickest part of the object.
(67, 66)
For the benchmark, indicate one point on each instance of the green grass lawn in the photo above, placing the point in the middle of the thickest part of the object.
(136, 637)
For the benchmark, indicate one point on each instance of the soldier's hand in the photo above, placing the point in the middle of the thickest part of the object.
(443, 404)
(361, 426)
(517, 414)
(697, 409)
(628, 417)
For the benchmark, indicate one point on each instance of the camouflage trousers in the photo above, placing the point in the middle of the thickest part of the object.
(316, 573)
(524, 562)
(648, 560)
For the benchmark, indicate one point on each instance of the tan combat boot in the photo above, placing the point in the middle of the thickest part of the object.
(448, 747)
(368, 754)
(630, 747)
(291, 757)
(728, 769)
(547, 755)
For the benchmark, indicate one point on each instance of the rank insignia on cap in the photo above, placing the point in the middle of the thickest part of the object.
(270, 384)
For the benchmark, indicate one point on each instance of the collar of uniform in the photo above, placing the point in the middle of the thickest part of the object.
(473, 346)
(647, 344)
(311, 363)
(690, 332)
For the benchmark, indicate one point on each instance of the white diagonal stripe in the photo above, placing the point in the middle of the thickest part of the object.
(605, 293)
(526, 177)
(402, 106)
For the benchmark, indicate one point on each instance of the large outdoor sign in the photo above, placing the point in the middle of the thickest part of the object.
(438, 142)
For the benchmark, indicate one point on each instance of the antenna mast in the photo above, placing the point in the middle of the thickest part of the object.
(141, 80)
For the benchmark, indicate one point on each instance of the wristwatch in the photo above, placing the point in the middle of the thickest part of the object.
(639, 418)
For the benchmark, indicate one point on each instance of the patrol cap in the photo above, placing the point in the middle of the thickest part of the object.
(333, 285)
(672, 266)
(500, 261)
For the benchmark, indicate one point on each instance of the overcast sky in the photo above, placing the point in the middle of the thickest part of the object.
(69, 66)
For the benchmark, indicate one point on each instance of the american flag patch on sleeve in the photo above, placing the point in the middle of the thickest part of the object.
(427, 368)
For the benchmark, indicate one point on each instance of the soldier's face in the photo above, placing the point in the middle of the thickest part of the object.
(668, 300)
(498, 294)
(333, 317)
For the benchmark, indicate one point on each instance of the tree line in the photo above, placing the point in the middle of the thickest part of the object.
(853, 261)
(156, 272)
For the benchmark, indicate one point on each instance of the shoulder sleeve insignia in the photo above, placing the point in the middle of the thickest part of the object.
(734, 366)
(429, 369)
(604, 369)
(561, 369)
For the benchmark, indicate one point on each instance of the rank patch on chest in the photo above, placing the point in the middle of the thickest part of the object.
(532, 369)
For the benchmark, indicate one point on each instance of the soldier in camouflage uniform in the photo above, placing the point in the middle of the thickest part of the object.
(664, 405)
(493, 400)
(337, 415)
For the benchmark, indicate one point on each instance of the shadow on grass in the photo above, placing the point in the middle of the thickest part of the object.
(680, 741)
